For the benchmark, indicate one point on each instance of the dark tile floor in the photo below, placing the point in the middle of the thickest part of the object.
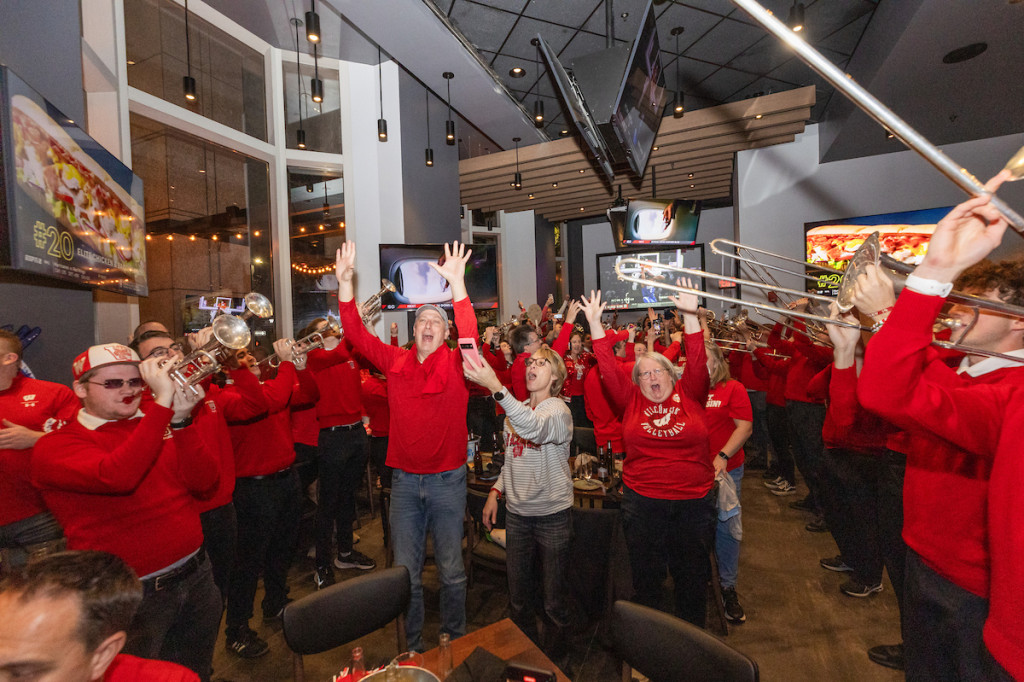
(799, 626)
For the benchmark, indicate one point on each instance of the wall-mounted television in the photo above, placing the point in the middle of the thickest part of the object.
(416, 283)
(68, 208)
(832, 243)
(647, 223)
(623, 295)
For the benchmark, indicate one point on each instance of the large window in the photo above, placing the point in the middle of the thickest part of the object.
(229, 75)
(316, 208)
(208, 224)
(320, 122)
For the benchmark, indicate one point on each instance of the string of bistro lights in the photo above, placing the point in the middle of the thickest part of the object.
(307, 270)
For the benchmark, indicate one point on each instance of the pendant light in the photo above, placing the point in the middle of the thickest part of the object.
(382, 125)
(327, 206)
(316, 86)
(312, 23)
(449, 125)
(796, 17)
(678, 104)
(517, 179)
(188, 83)
(300, 134)
(429, 154)
(538, 106)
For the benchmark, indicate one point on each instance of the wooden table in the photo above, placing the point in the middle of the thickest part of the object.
(504, 640)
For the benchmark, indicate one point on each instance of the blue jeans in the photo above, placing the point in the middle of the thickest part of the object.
(548, 537)
(434, 502)
(727, 548)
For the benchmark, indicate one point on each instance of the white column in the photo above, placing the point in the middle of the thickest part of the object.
(518, 261)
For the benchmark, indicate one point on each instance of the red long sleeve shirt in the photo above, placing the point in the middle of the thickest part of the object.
(264, 445)
(807, 360)
(576, 372)
(337, 378)
(39, 406)
(726, 401)
(375, 401)
(127, 487)
(667, 452)
(847, 424)
(778, 370)
(945, 489)
(428, 400)
(983, 418)
(742, 369)
(607, 424)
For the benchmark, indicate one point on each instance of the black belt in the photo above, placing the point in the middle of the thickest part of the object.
(346, 427)
(283, 473)
(175, 575)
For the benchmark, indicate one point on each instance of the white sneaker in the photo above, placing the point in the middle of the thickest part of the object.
(774, 483)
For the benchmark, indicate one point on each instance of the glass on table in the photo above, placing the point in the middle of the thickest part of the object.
(587, 468)
(409, 658)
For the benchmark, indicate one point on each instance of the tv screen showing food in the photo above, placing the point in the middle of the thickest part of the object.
(407, 266)
(832, 243)
(625, 295)
(72, 210)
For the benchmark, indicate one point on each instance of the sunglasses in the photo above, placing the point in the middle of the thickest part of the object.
(539, 362)
(163, 351)
(114, 384)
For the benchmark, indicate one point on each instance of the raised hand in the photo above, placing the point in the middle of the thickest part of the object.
(684, 302)
(454, 268)
(344, 270)
(480, 372)
(844, 339)
(873, 294)
(574, 310)
(966, 235)
(592, 310)
(284, 348)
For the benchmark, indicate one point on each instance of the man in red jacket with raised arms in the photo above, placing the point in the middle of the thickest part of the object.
(427, 442)
(126, 482)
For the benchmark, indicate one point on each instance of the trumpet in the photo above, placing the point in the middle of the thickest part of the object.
(504, 329)
(256, 305)
(229, 334)
(371, 306)
(312, 341)
(849, 279)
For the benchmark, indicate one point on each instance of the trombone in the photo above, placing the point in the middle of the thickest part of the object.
(311, 341)
(849, 279)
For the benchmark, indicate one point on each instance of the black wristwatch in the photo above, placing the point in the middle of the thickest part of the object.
(724, 456)
(499, 395)
(187, 421)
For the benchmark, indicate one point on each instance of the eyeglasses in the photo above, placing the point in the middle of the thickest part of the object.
(535, 341)
(651, 373)
(538, 362)
(163, 351)
(114, 384)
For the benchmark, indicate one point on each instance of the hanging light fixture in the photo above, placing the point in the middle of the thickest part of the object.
(188, 83)
(327, 206)
(382, 125)
(796, 17)
(449, 125)
(316, 86)
(312, 23)
(538, 106)
(300, 134)
(678, 105)
(429, 154)
(517, 179)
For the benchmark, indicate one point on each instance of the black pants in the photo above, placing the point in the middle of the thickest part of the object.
(578, 410)
(220, 534)
(942, 637)
(890, 522)
(806, 421)
(306, 464)
(268, 525)
(851, 482)
(778, 430)
(480, 420)
(673, 533)
(758, 446)
(342, 463)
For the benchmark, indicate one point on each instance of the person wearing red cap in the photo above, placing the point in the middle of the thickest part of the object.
(28, 409)
(427, 441)
(126, 482)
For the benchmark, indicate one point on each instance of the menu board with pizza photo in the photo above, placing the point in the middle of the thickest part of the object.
(71, 209)
(832, 243)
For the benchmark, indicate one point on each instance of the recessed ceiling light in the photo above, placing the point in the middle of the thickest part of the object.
(654, 148)
(690, 175)
(692, 186)
(554, 184)
(583, 170)
(758, 116)
(531, 196)
(131, 62)
(582, 209)
(624, 15)
(517, 72)
(564, 132)
(962, 54)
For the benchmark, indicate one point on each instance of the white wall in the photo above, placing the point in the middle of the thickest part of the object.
(518, 270)
(780, 188)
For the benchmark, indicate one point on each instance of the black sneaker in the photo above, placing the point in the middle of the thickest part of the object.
(355, 559)
(246, 644)
(889, 655)
(733, 610)
(803, 505)
(854, 588)
(818, 525)
(323, 577)
(836, 564)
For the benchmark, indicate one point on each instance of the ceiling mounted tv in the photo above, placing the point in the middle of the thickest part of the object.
(615, 97)
(653, 223)
(416, 283)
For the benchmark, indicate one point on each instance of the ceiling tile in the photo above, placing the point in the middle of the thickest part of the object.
(563, 12)
(725, 41)
(763, 56)
(507, 5)
(720, 7)
(691, 72)
(845, 39)
(485, 27)
(694, 22)
(761, 86)
(518, 43)
(625, 29)
(581, 44)
(722, 84)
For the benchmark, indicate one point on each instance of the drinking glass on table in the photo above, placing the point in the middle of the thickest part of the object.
(587, 469)
(409, 658)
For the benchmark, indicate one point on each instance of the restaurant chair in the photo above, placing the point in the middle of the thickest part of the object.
(665, 648)
(346, 611)
(479, 550)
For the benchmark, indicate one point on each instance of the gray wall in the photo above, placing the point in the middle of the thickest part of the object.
(41, 42)
(431, 195)
(544, 243)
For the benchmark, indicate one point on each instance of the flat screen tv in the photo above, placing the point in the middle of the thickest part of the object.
(641, 98)
(68, 208)
(416, 283)
(647, 223)
(832, 243)
(623, 295)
